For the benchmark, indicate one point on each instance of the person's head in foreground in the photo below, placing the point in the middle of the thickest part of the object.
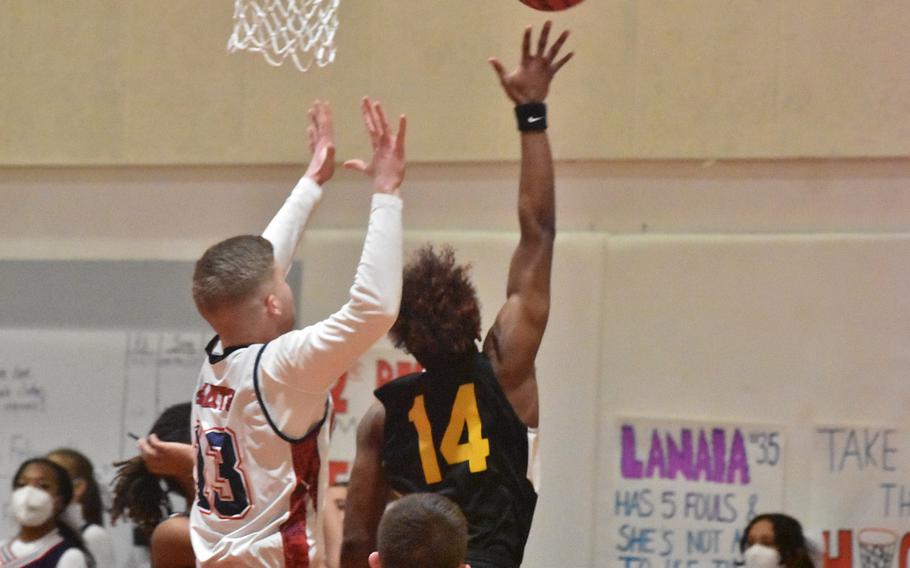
(774, 539)
(421, 530)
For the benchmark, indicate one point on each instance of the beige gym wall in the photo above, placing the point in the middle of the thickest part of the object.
(150, 82)
(193, 136)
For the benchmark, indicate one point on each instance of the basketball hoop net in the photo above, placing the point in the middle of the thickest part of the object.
(302, 30)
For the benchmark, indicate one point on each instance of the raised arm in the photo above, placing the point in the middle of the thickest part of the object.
(310, 360)
(367, 493)
(286, 228)
(515, 337)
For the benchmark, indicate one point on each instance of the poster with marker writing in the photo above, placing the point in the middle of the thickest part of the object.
(682, 491)
(860, 495)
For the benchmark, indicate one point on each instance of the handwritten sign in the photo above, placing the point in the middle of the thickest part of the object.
(860, 495)
(683, 491)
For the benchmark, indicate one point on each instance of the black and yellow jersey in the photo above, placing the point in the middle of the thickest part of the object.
(452, 431)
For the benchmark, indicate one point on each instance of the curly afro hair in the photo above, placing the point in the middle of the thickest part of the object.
(439, 316)
(138, 493)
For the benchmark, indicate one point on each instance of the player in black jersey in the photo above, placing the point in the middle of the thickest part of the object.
(466, 427)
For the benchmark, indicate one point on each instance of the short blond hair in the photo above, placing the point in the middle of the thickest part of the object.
(231, 271)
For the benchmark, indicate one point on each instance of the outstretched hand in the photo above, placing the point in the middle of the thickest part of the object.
(530, 81)
(387, 164)
(321, 135)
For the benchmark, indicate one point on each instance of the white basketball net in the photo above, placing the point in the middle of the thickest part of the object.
(302, 30)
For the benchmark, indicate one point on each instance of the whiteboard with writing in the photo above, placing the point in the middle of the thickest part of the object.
(87, 389)
(90, 390)
(682, 491)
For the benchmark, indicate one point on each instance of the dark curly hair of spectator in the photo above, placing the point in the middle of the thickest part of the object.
(138, 493)
(439, 316)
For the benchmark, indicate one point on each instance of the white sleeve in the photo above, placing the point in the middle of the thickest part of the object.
(286, 228)
(72, 558)
(98, 542)
(298, 368)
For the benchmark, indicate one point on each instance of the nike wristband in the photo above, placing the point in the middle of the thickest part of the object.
(531, 116)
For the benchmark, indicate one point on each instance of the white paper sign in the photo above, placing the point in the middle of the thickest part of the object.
(683, 491)
(861, 495)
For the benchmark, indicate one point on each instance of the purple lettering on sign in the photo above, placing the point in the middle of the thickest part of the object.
(719, 438)
(655, 457)
(631, 466)
(680, 457)
(702, 459)
(672, 457)
(739, 462)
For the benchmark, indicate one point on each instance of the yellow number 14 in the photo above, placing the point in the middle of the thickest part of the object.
(464, 414)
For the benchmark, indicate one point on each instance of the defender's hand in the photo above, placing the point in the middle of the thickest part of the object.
(321, 134)
(530, 81)
(388, 163)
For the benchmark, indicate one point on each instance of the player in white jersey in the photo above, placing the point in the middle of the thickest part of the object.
(261, 412)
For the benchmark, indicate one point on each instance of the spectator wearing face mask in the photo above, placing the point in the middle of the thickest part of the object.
(41, 492)
(775, 540)
(86, 512)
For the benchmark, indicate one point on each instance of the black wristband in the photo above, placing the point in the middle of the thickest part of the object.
(531, 116)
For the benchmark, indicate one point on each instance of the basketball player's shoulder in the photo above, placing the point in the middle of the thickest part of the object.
(486, 375)
(401, 386)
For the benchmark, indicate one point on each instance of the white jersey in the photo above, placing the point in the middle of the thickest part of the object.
(49, 550)
(261, 413)
(258, 491)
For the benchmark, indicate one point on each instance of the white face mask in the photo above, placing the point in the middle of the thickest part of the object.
(760, 556)
(32, 506)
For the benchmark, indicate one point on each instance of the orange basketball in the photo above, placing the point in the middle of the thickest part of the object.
(551, 5)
